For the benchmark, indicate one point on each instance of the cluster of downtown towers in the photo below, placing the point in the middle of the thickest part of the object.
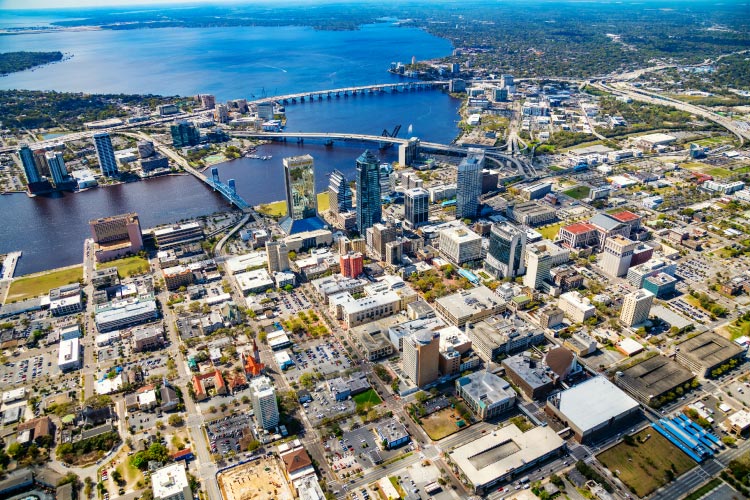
(372, 180)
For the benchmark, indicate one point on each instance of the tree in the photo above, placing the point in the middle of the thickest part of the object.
(16, 450)
(253, 445)
(176, 420)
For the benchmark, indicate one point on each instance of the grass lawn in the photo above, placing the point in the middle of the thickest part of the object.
(395, 483)
(718, 172)
(276, 208)
(367, 399)
(441, 424)
(522, 423)
(578, 192)
(644, 467)
(33, 286)
(555, 168)
(128, 266)
(550, 231)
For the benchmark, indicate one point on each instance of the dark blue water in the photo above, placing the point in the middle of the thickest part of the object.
(228, 62)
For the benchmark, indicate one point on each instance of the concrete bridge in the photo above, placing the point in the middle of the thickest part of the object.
(345, 92)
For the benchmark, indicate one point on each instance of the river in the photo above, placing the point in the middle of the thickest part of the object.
(50, 231)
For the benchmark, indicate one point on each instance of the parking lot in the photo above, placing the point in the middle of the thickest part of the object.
(142, 420)
(357, 450)
(324, 405)
(693, 270)
(224, 434)
(293, 302)
(690, 311)
(322, 355)
(30, 369)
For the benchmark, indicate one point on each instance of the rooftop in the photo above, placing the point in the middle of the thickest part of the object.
(592, 402)
(169, 480)
(486, 387)
(505, 450)
(580, 228)
(625, 216)
(532, 371)
(605, 222)
(656, 375)
(709, 349)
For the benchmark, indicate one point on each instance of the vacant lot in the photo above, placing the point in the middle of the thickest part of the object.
(442, 423)
(259, 480)
(367, 400)
(39, 284)
(550, 231)
(129, 266)
(645, 466)
(578, 192)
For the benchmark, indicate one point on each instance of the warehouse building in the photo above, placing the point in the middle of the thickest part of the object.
(653, 379)
(706, 352)
(594, 409)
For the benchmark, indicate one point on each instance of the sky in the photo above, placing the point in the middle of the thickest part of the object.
(63, 4)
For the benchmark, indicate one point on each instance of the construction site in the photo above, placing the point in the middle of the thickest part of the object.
(261, 479)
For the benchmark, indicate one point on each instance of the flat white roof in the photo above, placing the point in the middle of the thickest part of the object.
(69, 352)
(242, 262)
(168, 481)
(629, 346)
(494, 455)
(593, 402)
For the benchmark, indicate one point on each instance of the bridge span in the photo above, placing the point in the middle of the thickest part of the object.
(523, 166)
(353, 91)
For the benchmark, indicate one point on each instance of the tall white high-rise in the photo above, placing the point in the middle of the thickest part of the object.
(278, 256)
(469, 184)
(506, 252)
(618, 251)
(538, 264)
(636, 307)
(264, 403)
(416, 207)
(106, 154)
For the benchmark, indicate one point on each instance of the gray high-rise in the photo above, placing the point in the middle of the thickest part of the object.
(29, 166)
(505, 255)
(339, 193)
(469, 184)
(106, 154)
(369, 210)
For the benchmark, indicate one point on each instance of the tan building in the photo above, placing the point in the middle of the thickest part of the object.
(618, 252)
(460, 245)
(636, 307)
(116, 236)
(177, 276)
(421, 357)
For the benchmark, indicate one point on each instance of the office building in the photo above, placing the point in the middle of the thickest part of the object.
(145, 149)
(559, 255)
(539, 263)
(638, 274)
(105, 154)
(339, 193)
(369, 210)
(486, 394)
(460, 245)
(505, 257)
(378, 236)
(617, 254)
(57, 168)
(531, 213)
(661, 285)
(408, 153)
(264, 403)
(469, 184)
(171, 483)
(575, 306)
(29, 165)
(578, 235)
(351, 264)
(147, 338)
(221, 114)
(470, 305)
(421, 357)
(636, 306)
(497, 336)
(177, 234)
(278, 256)
(207, 101)
(530, 375)
(356, 312)
(706, 352)
(124, 314)
(594, 409)
(301, 201)
(116, 236)
(177, 276)
(416, 207)
(69, 354)
(536, 191)
(505, 454)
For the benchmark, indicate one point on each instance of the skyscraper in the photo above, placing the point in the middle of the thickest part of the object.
(618, 252)
(469, 184)
(29, 166)
(339, 193)
(278, 256)
(421, 357)
(105, 154)
(539, 262)
(368, 191)
(416, 207)
(57, 168)
(636, 307)
(301, 202)
(184, 134)
(264, 403)
(505, 255)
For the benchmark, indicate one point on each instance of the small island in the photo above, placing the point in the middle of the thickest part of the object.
(12, 62)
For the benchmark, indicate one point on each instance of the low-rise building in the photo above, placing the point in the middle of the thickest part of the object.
(171, 483)
(497, 336)
(469, 306)
(177, 276)
(373, 341)
(706, 352)
(530, 375)
(69, 355)
(103, 278)
(147, 338)
(124, 314)
(594, 409)
(577, 307)
(651, 381)
(206, 384)
(460, 245)
(531, 213)
(359, 311)
(486, 394)
(505, 454)
(256, 281)
(392, 434)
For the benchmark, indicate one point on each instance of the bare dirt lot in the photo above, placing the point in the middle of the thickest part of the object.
(261, 479)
